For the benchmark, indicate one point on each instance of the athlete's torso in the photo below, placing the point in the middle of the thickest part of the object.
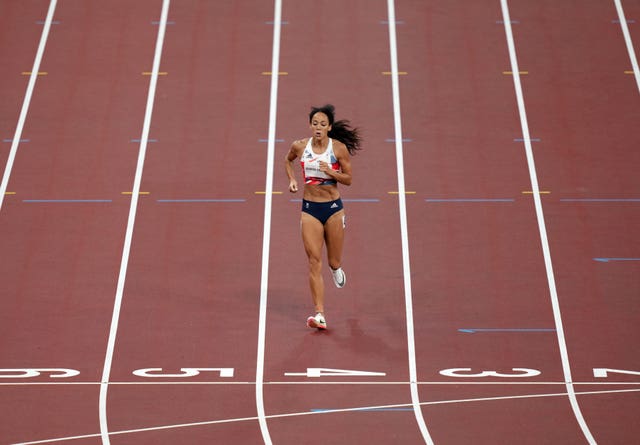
(310, 163)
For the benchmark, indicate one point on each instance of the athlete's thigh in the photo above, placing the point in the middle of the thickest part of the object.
(312, 235)
(334, 235)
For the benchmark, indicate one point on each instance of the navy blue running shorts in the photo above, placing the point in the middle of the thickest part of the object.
(322, 211)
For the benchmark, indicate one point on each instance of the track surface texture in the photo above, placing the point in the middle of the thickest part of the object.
(154, 283)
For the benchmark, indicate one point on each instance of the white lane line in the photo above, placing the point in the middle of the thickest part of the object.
(413, 374)
(364, 409)
(334, 383)
(564, 355)
(126, 250)
(27, 100)
(629, 43)
(266, 236)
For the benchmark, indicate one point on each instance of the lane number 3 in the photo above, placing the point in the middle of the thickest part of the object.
(467, 372)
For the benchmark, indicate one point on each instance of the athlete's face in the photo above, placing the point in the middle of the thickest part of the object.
(320, 125)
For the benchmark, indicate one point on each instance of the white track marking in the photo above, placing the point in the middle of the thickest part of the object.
(566, 369)
(395, 86)
(27, 100)
(266, 236)
(22, 373)
(629, 43)
(328, 411)
(337, 382)
(144, 139)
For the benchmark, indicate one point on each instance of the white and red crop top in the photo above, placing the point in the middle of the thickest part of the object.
(311, 166)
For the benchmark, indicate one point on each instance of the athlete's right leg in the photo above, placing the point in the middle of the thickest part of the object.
(313, 239)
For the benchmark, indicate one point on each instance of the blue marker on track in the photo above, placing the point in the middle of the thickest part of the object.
(403, 140)
(329, 410)
(470, 200)
(65, 200)
(200, 200)
(475, 330)
(600, 200)
(609, 260)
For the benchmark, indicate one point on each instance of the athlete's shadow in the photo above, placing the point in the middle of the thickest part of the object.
(358, 344)
(363, 342)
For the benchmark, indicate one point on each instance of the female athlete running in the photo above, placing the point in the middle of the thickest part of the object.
(325, 160)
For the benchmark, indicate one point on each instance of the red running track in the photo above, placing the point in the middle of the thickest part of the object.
(480, 294)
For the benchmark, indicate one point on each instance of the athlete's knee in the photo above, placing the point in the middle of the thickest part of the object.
(335, 263)
(315, 264)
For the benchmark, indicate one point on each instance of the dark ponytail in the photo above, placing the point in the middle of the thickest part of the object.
(340, 130)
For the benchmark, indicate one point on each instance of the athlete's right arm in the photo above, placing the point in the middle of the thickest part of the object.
(294, 152)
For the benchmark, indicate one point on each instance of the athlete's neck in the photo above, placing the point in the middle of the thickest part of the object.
(320, 142)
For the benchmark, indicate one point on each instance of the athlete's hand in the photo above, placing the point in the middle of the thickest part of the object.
(293, 186)
(325, 168)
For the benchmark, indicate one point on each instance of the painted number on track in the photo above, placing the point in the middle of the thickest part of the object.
(184, 372)
(467, 372)
(604, 372)
(328, 372)
(25, 373)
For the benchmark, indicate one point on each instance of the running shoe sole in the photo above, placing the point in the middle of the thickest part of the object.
(339, 284)
(313, 323)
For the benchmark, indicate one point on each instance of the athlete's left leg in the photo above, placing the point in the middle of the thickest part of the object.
(334, 239)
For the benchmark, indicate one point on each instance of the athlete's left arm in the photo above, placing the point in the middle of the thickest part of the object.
(342, 154)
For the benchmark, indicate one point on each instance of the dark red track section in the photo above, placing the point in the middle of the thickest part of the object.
(195, 270)
(192, 293)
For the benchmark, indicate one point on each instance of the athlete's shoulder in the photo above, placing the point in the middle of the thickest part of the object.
(339, 147)
(300, 143)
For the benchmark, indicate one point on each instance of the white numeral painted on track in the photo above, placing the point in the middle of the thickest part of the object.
(466, 372)
(604, 372)
(184, 372)
(328, 372)
(25, 373)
